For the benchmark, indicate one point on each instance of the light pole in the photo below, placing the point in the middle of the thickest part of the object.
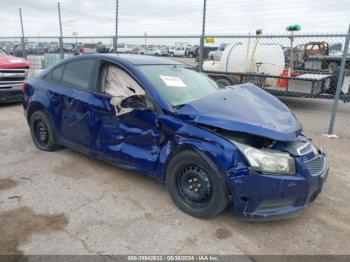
(201, 47)
(61, 32)
(22, 38)
(115, 42)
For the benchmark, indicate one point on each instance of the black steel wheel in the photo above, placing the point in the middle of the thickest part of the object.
(43, 134)
(195, 185)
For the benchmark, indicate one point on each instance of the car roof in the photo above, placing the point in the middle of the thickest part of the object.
(139, 59)
(118, 58)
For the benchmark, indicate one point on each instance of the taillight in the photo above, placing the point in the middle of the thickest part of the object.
(27, 89)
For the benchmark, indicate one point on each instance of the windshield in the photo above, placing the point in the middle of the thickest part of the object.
(179, 85)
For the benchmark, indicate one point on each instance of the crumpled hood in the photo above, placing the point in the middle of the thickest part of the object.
(8, 61)
(244, 108)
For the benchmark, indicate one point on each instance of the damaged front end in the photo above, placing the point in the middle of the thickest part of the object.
(276, 171)
(278, 178)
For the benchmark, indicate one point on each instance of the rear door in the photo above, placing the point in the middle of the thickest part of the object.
(70, 98)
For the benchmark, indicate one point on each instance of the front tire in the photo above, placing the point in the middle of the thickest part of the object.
(195, 185)
(42, 132)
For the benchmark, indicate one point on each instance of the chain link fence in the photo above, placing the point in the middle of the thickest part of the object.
(303, 70)
(307, 87)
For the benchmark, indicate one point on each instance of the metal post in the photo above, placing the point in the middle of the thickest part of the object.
(115, 43)
(339, 83)
(201, 47)
(61, 32)
(24, 53)
(291, 65)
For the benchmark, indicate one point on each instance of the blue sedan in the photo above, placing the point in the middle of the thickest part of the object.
(238, 146)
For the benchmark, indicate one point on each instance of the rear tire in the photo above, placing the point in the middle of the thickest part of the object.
(332, 67)
(223, 82)
(42, 132)
(195, 185)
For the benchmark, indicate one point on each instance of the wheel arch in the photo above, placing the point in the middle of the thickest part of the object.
(37, 106)
(189, 147)
(33, 107)
(206, 157)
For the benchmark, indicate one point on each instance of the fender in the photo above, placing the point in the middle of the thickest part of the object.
(209, 145)
(35, 106)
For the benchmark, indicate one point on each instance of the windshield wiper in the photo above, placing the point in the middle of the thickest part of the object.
(179, 106)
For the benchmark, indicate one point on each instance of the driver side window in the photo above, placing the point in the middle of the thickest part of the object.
(118, 83)
(120, 86)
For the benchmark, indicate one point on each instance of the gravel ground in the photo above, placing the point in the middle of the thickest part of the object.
(67, 203)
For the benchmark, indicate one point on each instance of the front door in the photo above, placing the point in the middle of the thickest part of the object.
(130, 138)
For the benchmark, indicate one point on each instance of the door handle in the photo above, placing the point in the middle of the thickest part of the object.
(157, 123)
(71, 101)
(100, 110)
(54, 96)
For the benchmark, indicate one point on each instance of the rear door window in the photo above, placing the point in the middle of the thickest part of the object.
(55, 75)
(79, 74)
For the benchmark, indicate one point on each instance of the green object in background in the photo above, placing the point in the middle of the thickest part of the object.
(295, 27)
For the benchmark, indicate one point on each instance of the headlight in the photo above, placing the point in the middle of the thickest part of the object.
(267, 161)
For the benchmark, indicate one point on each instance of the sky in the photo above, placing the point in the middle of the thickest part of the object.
(180, 17)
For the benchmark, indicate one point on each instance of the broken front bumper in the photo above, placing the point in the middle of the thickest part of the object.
(266, 196)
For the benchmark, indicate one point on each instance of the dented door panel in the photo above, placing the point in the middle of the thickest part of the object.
(130, 139)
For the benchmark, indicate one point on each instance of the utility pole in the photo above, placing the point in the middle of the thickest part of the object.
(115, 42)
(201, 47)
(61, 32)
(24, 54)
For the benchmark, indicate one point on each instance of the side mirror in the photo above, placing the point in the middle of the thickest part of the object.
(126, 105)
(133, 102)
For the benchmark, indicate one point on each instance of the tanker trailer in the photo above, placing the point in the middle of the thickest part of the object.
(247, 58)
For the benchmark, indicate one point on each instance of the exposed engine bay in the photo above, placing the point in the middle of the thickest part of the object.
(299, 147)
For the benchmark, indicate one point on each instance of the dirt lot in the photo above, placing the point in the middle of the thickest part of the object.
(67, 203)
